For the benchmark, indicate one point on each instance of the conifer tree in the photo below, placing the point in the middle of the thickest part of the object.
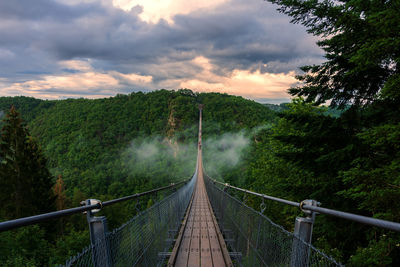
(25, 181)
(361, 42)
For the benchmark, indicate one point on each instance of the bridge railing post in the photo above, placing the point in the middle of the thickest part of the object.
(303, 233)
(101, 254)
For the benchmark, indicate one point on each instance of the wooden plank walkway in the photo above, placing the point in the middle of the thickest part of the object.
(200, 242)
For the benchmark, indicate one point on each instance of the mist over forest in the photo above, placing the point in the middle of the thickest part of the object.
(112, 147)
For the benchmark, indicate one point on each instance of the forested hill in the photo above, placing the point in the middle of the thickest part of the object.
(117, 146)
(83, 138)
(108, 148)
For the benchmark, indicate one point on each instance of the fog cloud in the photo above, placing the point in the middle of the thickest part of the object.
(152, 156)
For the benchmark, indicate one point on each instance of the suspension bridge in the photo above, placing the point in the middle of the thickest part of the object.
(200, 242)
(200, 224)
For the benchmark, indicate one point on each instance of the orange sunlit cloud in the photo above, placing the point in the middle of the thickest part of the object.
(83, 78)
(86, 79)
(154, 10)
(240, 82)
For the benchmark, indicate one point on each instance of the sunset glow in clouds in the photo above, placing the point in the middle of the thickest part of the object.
(99, 48)
(154, 10)
(71, 84)
(240, 82)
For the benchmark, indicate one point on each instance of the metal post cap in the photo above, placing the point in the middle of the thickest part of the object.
(94, 202)
(309, 202)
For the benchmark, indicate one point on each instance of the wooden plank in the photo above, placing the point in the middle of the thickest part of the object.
(222, 245)
(184, 248)
(194, 254)
(205, 256)
(202, 243)
(181, 235)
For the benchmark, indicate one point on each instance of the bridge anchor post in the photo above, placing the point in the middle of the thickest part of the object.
(303, 233)
(101, 254)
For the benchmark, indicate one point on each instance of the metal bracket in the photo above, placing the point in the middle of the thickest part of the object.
(137, 206)
(226, 187)
(245, 198)
(309, 213)
(91, 201)
(94, 202)
(173, 187)
(262, 206)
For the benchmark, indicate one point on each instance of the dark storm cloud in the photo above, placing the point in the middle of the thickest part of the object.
(44, 9)
(35, 35)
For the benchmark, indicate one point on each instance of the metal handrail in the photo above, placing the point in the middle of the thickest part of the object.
(12, 224)
(281, 200)
(394, 226)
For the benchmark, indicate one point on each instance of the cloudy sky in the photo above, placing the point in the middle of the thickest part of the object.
(55, 49)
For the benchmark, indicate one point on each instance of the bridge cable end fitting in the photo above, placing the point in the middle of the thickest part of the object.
(94, 202)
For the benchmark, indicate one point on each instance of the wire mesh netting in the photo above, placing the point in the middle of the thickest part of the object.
(144, 240)
(256, 240)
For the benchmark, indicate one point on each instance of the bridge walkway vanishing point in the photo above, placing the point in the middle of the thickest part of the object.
(200, 242)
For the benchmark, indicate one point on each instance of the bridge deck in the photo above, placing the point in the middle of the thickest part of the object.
(200, 242)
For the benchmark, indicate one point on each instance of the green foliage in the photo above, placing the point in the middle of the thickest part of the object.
(374, 178)
(68, 245)
(100, 149)
(108, 148)
(24, 178)
(376, 254)
(24, 247)
(362, 48)
(348, 160)
(343, 162)
(29, 107)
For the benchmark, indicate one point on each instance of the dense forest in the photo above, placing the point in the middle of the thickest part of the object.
(350, 159)
(108, 148)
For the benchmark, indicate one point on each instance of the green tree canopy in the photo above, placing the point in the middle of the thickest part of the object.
(24, 178)
(361, 40)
